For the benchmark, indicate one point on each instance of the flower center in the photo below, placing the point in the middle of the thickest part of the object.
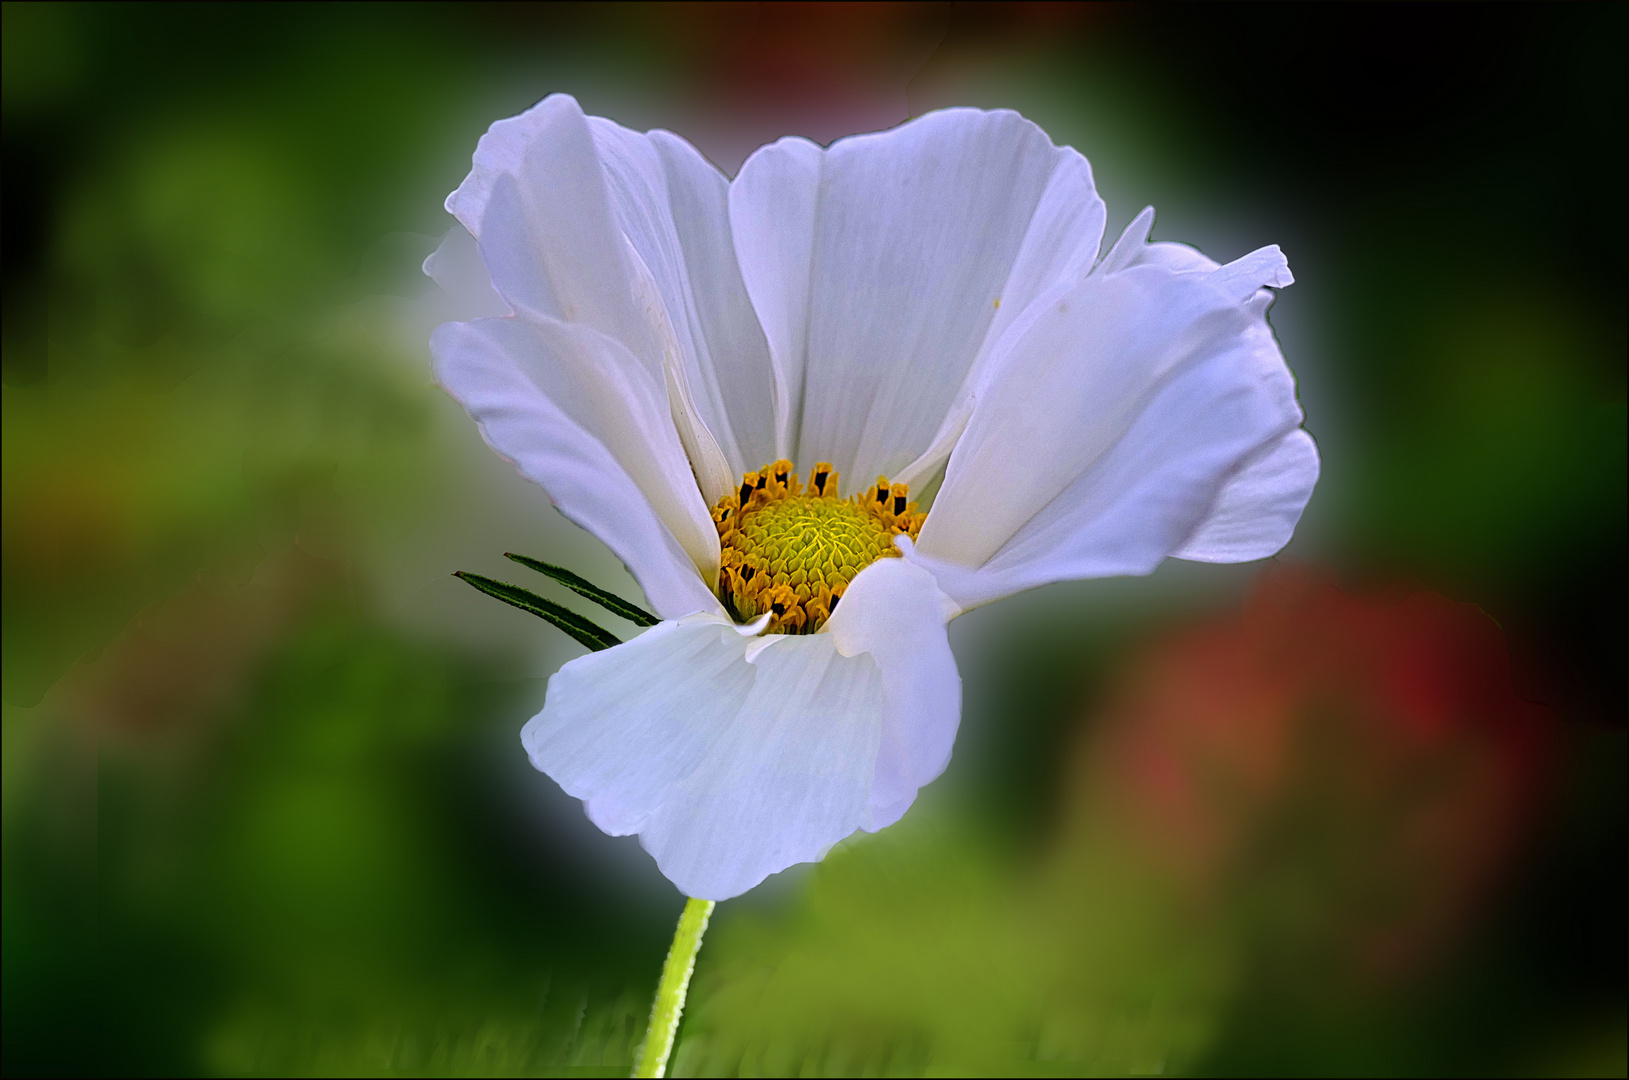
(791, 550)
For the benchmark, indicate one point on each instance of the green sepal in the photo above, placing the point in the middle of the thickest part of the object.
(611, 602)
(572, 623)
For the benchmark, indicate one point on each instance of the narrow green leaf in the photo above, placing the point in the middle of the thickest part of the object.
(611, 602)
(572, 623)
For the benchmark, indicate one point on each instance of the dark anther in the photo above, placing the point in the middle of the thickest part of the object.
(882, 494)
(778, 609)
(780, 478)
(899, 504)
(762, 480)
(820, 483)
(834, 603)
(746, 574)
(746, 493)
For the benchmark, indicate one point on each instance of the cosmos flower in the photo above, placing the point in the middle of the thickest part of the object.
(738, 385)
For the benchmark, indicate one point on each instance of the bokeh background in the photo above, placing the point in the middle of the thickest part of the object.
(1360, 809)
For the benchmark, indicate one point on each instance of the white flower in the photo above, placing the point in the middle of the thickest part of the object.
(928, 304)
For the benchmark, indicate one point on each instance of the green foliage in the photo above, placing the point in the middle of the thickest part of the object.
(583, 587)
(581, 629)
(922, 951)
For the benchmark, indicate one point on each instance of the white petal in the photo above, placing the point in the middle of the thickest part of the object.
(919, 472)
(1133, 247)
(1060, 244)
(1103, 435)
(455, 265)
(1182, 258)
(1257, 508)
(917, 240)
(547, 231)
(789, 778)
(620, 727)
(674, 207)
(588, 222)
(1067, 387)
(499, 152)
(1264, 268)
(577, 415)
(636, 184)
(896, 612)
(1140, 500)
(729, 769)
(735, 757)
(773, 203)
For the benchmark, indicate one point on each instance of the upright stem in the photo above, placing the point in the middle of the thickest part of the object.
(665, 1013)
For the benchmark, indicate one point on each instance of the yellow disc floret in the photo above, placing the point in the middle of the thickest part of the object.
(791, 550)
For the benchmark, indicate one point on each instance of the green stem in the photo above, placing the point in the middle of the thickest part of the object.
(669, 1006)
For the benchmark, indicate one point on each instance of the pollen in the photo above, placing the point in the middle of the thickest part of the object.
(790, 549)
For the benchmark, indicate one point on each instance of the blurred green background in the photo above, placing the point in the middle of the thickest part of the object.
(265, 808)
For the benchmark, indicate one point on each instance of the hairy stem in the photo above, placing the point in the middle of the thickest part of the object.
(669, 1006)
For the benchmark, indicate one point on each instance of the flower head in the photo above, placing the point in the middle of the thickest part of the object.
(738, 386)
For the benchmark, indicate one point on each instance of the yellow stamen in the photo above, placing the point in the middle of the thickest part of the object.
(791, 550)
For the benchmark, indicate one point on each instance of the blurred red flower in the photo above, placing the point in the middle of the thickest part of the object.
(1347, 774)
